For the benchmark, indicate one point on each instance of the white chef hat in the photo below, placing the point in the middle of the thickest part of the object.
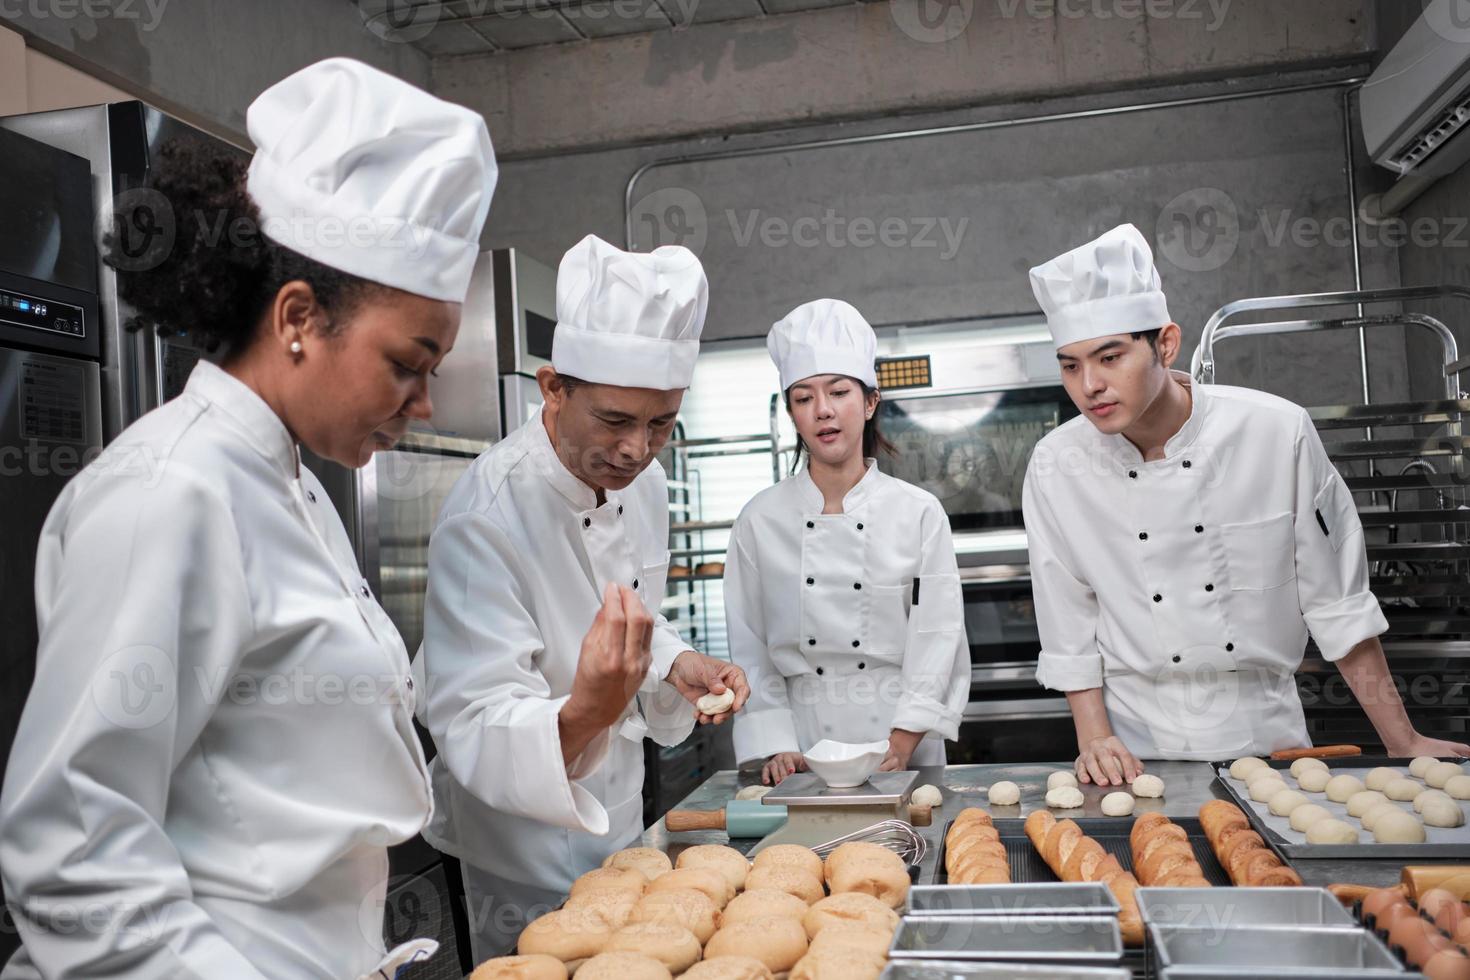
(825, 336)
(1108, 286)
(630, 319)
(367, 174)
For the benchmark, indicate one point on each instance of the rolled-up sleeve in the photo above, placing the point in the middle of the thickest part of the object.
(1331, 560)
(766, 724)
(936, 659)
(486, 702)
(1066, 606)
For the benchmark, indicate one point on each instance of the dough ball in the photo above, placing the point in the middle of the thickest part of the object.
(706, 880)
(726, 860)
(570, 935)
(1371, 818)
(1380, 778)
(1263, 789)
(1004, 793)
(623, 966)
(1428, 795)
(1064, 798)
(839, 964)
(1458, 787)
(1314, 780)
(789, 879)
(776, 941)
(1265, 772)
(1241, 768)
(683, 906)
(728, 968)
(1339, 788)
(1061, 778)
(650, 861)
(1419, 768)
(1331, 831)
(536, 967)
(753, 792)
(1443, 813)
(850, 908)
(668, 942)
(1402, 789)
(1442, 772)
(927, 795)
(1303, 817)
(624, 878)
(762, 902)
(714, 704)
(1360, 803)
(1302, 765)
(885, 878)
(1117, 804)
(1282, 803)
(613, 904)
(791, 855)
(1148, 786)
(1399, 828)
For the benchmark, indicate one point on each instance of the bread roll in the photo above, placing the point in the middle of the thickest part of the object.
(613, 904)
(1057, 840)
(776, 941)
(1402, 789)
(715, 704)
(1117, 804)
(570, 935)
(1241, 768)
(1458, 787)
(717, 857)
(1303, 817)
(973, 853)
(838, 964)
(1004, 793)
(1339, 788)
(1148, 786)
(1443, 813)
(927, 795)
(785, 878)
(1240, 850)
(1331, 832)
(1064, 798)
(1060, 778)
(1419, 768)
(1380, 777)
(757, 903)
(1282, 803)
(846, 935)
(1360, 803)
(850, 908)
(1426, 796)
(1314, 780)
(885, 877)
(688, 907)
(622, 878)
(706, 880)
(1442, 772)
(649, 861)
(668, 942)
(536, 967)
(1162, 853)
(1265, 772)
(855, 849)
(728, 968)
(623, 966)
(1398, 827)
(793, 855)
(753, 793)
(1371, 817)
(1304, 763)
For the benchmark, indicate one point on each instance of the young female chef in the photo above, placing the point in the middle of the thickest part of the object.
(842, 596)
(219, 745)
(1184, 539)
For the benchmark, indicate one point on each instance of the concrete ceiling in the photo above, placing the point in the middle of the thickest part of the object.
(448, 28)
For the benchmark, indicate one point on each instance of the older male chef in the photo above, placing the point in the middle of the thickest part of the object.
(1184, 541)
(540, 772)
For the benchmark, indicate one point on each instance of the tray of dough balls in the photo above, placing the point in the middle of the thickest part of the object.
(1354, 806)
(715, 915)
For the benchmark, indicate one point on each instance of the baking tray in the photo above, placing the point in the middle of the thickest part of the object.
(959, 970)
(1238, 907)
(1442, 842)
(1039, 898)
(1277, 948)
(1082, 940)
(1111, 832)
(1265, 973)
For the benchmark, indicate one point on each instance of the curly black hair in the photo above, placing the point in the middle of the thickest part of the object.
(192, 261)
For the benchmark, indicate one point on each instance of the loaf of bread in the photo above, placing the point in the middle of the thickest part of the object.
(1073, 856)
(1240, 850)
(973, 853)
(1163, 857)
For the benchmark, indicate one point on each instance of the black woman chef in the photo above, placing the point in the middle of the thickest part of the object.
(1184, 540)
(842, 595)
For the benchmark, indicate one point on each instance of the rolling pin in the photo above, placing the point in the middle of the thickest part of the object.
(739, 818)
(1317, 752)
(1419, 878)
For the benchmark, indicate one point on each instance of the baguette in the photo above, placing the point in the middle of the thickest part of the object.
(1073, 856)
(1162, 854)
(1240, 850)
(973, 852)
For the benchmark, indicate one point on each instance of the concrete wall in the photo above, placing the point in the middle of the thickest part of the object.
(34, 82)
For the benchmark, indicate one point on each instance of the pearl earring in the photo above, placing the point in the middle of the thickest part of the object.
(296, 347)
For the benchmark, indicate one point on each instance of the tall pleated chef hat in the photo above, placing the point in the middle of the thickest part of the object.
(367, 174)
(825, 336)
(1108, 286)
(631, 319)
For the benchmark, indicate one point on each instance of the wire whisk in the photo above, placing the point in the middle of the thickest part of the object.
(896, 835)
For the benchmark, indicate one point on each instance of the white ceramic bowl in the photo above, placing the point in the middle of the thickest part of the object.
(844, 765)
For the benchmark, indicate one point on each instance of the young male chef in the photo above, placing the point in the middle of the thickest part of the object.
(562, 526)
(1184, 541)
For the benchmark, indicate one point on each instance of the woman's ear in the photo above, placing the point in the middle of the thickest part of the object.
(872, 397)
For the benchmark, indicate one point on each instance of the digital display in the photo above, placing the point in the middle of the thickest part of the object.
(21, 310)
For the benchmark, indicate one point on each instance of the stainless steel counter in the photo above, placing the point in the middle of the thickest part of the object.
(1188, 785)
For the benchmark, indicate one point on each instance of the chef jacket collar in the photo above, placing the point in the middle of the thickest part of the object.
(263, 428)
(578, 494)
(812, 501)
(1127, 454)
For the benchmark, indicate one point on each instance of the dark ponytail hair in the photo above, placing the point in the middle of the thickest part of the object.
(874, 441)
(192, 261)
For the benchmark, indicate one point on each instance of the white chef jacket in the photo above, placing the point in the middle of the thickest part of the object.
(518, 563)
(847, 625)
(219, 745)
(1185, 587)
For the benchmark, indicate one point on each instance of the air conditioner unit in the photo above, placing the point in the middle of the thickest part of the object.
(1416, 106)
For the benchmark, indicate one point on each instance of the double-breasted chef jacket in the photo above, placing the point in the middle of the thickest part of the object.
(219, 745)
(847, 625)
(518, 563)
(1185, 587)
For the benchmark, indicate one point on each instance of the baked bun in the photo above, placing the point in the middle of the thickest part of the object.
(845, 935)
(775, 940)
(858, 848)
(624, 878)
(855, 908)
(706, 880)
(838, 964)
(786, 879)
(613, 904)
(688, 907)
(570, 935)
(717, 857)
(649, 860)
(791, 855)
(667, 942)
(623, 966)
(878, 872)
(756, 903)
(535, 967)
(728, 968)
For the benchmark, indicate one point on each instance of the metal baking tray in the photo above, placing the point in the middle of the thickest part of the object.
(1262, 973)
(1111, 832)
(1441, 842)
(1238, 907)
(1087, 940)
(1278, 948)
(959, 970)
(1037, 898)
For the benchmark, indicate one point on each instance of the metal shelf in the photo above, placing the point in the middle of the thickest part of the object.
(1401, 413)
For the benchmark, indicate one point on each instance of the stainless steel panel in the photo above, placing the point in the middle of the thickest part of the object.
(1236, 907)
(921, 970)
(1266, 973)
(466, 393)
(1274, 947)
(1035, 898)
(1084, 940)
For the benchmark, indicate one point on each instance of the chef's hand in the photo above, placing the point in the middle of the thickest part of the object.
(1106, 761)
(901, 745)
(1434, 747)
(614, 660)
(695, 675)
(781, 765)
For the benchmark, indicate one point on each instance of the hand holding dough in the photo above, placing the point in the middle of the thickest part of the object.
(1060, 778)
(714, 704)
(752, 792)
(927, 795)
(1117, 804)
(1148, 786)
(1004, 793)
(1064, 798)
